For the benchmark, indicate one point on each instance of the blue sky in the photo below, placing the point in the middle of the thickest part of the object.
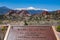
(43, 4)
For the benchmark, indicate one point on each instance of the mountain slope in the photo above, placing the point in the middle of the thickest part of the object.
(35, 11)
(4, 10)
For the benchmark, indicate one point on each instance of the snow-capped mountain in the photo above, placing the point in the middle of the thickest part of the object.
(30, 8)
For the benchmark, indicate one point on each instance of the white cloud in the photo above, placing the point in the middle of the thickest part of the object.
(30, 8)
(45, 9)
(20, 8)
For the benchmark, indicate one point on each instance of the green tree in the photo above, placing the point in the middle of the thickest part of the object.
(58, 28)
(25, 23)
(1, 22)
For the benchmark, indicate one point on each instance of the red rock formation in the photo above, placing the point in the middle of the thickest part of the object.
(11, 12)
(58, 11)
(45, 13)
(24, 13)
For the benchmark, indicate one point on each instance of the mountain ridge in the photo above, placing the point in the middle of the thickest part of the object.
(4, 10)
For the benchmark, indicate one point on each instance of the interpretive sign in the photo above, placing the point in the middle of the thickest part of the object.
(31, 33)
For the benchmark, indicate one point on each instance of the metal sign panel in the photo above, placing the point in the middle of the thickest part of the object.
(31, 33)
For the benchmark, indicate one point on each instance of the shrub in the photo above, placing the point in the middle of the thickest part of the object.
(58, 28)
(4, 28)
(1, 22)
(25, 23)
